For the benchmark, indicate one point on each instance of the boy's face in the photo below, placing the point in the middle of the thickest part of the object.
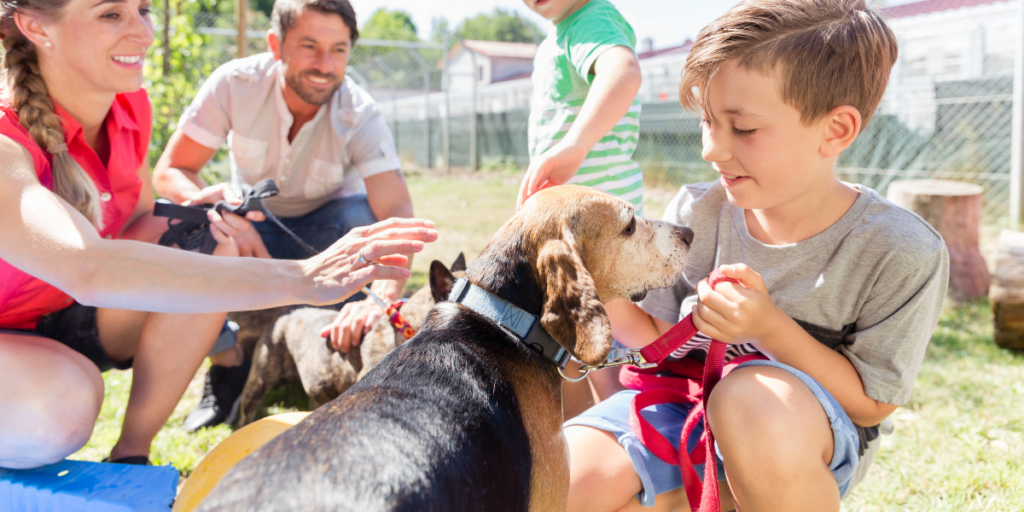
(555, 10)
(765, 155)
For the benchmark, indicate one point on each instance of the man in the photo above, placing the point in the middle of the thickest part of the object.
(289, 115)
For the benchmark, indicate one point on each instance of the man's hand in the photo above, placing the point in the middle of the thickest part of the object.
(353, 321)
(736, 313)
(337, 273)
(555, 167)
(238, 228)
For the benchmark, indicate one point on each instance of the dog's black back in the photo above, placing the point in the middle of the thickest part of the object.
(434, 426)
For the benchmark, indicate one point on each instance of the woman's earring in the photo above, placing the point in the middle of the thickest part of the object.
(48, 44)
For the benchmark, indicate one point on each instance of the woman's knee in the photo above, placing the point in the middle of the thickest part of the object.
(52, 401)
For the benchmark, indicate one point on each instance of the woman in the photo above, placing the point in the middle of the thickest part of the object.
(75, 213)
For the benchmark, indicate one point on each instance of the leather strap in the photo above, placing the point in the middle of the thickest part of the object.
(192, 233)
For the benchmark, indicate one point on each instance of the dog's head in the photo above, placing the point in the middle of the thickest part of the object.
(584, 248)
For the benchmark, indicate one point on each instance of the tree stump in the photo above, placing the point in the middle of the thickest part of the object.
(1007, 293)
(953, 208)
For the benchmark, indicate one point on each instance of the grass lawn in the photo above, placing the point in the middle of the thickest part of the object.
(958, 444)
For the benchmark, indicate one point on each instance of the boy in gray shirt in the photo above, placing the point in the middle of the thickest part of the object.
(839, 288)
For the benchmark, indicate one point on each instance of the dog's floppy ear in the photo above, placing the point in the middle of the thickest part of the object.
(441, 281)
(460, 264)
(573, 314)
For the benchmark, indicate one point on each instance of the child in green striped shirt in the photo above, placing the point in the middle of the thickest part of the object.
(584, 113)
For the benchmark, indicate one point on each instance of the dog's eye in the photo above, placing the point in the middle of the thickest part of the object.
(630, 228)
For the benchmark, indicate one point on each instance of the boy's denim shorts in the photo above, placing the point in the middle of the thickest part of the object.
(657, 476)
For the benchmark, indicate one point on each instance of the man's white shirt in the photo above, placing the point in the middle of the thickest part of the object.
(242, 103)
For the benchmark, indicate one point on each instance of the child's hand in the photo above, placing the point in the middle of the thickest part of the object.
(555, 167)
(734, 313)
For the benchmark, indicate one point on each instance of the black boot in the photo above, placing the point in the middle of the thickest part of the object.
(222, 392)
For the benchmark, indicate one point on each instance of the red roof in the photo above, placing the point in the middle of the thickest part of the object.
(683, 48)
(928, 6)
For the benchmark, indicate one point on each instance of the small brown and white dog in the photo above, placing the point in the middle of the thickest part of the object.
(467, 415)
(290, 346)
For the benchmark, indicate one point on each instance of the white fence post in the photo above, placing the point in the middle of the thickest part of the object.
(1017, 127)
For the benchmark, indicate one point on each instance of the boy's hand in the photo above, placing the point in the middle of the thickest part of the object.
(555, 167)
(733, 313)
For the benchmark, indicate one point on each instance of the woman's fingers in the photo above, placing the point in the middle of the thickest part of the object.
(395, 260)
(397, 227)
(378, 249)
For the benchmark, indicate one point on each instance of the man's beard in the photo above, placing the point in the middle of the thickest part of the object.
(313, 96)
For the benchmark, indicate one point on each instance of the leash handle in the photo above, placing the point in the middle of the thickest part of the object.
(680, 333)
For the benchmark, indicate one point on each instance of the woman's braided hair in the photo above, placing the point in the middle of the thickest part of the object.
(31, 100)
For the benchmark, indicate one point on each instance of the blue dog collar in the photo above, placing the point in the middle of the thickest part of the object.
(519, 323)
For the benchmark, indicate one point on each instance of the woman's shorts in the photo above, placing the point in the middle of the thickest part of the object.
(75, 326)
(657, 476)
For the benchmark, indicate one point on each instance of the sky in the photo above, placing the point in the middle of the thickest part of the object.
(667, 22)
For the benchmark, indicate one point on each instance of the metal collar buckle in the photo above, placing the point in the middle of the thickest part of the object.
(632, 357)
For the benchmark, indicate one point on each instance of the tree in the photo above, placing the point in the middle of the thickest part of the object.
(499, 25)
(388, 24)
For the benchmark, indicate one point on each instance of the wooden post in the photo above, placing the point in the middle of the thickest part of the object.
(241, 8)
(953, 208)
(1006, 296)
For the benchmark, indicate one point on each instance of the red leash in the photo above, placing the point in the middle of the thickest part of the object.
(693, 388)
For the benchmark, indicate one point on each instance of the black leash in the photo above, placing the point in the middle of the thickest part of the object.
(192, 233)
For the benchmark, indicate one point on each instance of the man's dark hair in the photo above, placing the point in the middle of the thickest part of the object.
(286, 12)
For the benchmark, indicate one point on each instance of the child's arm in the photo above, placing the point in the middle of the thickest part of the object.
(735, 314)
(632, 326)
(616, 82)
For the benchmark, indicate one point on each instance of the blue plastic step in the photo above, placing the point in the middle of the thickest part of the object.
(73, 486)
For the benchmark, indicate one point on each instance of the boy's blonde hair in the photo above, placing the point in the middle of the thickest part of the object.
(826, 53)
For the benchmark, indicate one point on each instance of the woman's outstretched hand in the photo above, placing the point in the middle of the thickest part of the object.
(337, 273)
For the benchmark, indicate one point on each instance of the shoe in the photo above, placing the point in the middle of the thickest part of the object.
(137, 460)
(222, 392)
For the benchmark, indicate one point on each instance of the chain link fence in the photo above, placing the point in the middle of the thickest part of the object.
(946, 113)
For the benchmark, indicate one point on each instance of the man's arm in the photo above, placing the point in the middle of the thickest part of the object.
(616, 81)
(176, 175)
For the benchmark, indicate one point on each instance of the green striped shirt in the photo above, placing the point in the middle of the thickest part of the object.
(561, 82)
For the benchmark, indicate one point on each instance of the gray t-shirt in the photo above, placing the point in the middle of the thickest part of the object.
(871, 286)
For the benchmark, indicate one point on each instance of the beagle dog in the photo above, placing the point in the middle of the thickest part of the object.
(291, 348)
(467, 415)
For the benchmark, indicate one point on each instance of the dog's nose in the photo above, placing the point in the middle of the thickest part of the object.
(685, 234)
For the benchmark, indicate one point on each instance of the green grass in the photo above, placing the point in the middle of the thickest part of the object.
(959, 442)
(957, 446)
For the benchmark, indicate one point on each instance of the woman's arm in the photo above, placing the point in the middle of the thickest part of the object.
(43, 236)
(142, 225)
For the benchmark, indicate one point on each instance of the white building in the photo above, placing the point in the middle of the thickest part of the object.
(488, 62)
(951, 51)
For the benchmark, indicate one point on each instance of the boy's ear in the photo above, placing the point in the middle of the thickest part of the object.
(841, 127)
